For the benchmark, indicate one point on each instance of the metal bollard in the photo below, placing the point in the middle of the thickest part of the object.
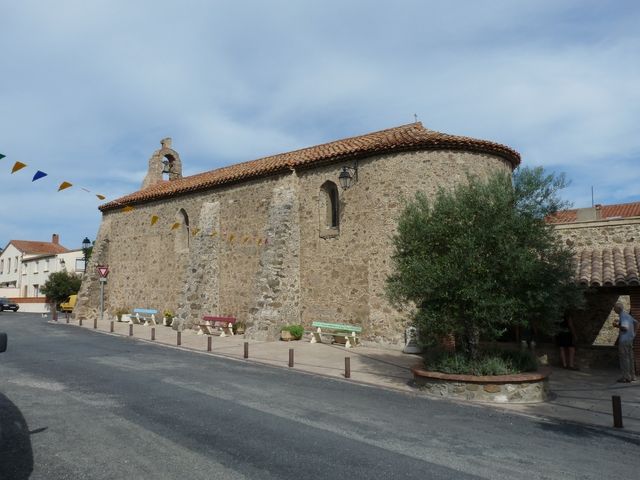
(95, 323)
(347, 367)
(67, 316)
(131, 330)
(617, 411)
(153, 333)
(111, 327)
(80, 322)
(246, 349)
(179, 338)
(209, 343)
(291, 357)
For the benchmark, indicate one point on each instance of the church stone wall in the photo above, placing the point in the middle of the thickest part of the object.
(305, 272)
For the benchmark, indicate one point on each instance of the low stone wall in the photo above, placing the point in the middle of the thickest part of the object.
(521, 388)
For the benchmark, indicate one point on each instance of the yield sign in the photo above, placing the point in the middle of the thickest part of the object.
(103, 271)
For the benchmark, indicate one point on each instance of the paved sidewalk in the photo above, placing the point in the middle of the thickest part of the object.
(579, 396)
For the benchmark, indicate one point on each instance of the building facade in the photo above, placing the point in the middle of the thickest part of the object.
(278, 240)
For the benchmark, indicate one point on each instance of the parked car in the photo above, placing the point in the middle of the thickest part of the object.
(69, 304)
(6, 304)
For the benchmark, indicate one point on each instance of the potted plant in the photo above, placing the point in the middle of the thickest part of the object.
(239, 328)
(291, 332)
(120, 311)
(168, 318)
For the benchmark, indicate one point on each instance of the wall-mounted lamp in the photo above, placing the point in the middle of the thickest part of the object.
(348, 176)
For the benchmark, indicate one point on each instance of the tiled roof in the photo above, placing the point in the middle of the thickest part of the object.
(407, 137)
(609, 267)
(30, 247)
(621, 210)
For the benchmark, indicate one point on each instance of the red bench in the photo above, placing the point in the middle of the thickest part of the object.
(211, 325)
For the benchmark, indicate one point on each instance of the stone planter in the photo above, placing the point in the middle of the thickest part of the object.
(286, 336)
(167, 321)
(532, 387)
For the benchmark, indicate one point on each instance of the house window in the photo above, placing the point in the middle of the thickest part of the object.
(8, 265)
(1, 267)
(329, 209)
(15, 265)
(36, 290)
(24, 268)
(35, 266)
(46, 265)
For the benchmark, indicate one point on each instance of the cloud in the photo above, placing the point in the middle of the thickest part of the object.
(89, 88)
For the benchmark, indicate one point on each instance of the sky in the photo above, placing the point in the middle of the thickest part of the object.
(88, 89)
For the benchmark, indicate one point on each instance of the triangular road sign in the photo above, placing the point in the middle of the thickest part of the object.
(103, 271)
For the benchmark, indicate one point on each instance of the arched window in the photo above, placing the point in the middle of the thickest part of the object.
(329, 209)
(183, 231)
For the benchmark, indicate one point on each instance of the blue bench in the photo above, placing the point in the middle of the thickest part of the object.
(146, 315)
(340, 333)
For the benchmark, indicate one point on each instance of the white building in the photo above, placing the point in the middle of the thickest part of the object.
(26, 265)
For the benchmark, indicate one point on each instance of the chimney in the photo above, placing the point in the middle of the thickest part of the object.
(55, 239)
(598, 211)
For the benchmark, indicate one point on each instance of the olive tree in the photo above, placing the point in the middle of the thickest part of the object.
(481, 257)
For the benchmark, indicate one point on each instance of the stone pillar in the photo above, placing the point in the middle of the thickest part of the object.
(634, 300)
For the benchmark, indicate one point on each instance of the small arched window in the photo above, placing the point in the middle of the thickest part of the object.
(183, 230)
(329, 209)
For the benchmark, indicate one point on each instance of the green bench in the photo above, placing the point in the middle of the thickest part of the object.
(339, 332)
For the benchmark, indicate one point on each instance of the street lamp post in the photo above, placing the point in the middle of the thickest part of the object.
(86, 245)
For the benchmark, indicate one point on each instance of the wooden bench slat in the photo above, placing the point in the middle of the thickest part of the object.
(148, 311)
(337, 326)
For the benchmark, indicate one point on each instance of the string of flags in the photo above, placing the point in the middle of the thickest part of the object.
(222, 235)
(17, 166)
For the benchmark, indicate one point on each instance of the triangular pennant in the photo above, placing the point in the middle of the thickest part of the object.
(231, 237)
(245, 239)
(195, 231)
(175, 225)
(266, 240)
(39, 174)
(154, 219)
(64, 185)
(259, 241)
(18, 166)
(100, 197)
(85, 189)
(128, 208)
(2, 156)
(214, 233)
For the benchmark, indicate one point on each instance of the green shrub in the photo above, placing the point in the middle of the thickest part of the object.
(296, 331)
(489, 362)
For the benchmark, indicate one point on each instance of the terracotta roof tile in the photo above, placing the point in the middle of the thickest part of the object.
(30, 247)
(407, 137)
(609, 267)
(621, 210)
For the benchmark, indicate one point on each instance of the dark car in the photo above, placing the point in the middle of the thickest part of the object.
(6, 304)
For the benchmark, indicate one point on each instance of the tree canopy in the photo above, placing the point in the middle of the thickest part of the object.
(480, 258)
(60, 285)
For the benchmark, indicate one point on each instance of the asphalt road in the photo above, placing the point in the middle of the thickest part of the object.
(75, 404)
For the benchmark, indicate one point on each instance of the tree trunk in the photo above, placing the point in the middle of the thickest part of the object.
(471, 341)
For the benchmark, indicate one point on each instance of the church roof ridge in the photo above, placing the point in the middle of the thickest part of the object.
(411, 136)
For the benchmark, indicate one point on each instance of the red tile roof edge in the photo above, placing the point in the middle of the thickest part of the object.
(403, 138)
(607, 212)
(35, 247)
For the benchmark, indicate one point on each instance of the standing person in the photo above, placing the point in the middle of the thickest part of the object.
(627, 326)
(566, 340)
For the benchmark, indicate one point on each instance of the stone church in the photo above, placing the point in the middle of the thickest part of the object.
(285, 239)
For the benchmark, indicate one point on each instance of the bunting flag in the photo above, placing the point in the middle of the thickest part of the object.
(64, 185)
(245, 239)
(2, 156)
(231, 237)
(85, 189)
(154, 219)
(266, 240)
(259, 242)
(214, 233)
(175, 225)
(128, 208)
(100, 197)
(39, 174)
(18, 166)
(195, 231)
